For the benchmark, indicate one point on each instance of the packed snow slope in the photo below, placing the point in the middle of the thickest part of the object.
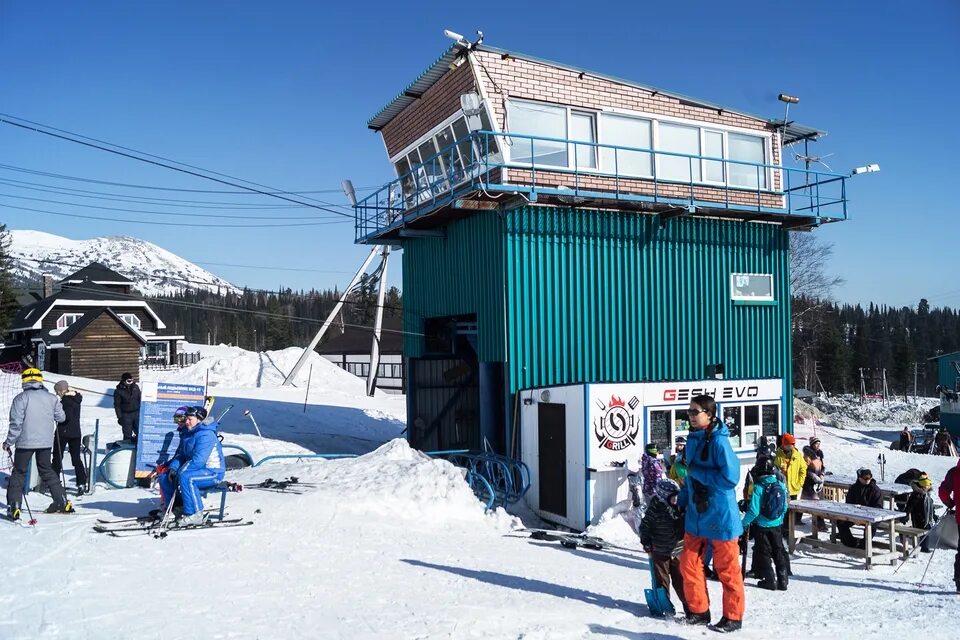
(393, 544)
(154, 270)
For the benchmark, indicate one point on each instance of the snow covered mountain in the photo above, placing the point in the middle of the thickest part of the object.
(156, 271)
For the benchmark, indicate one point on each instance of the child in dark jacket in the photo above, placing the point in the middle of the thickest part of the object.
(919, 507)
(767, 535)
(661, 535)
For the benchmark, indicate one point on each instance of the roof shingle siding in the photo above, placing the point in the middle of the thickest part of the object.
(96, 271)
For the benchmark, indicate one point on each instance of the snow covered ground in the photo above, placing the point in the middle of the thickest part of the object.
(393, 545)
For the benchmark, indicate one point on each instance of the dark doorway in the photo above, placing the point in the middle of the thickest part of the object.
(552, 445)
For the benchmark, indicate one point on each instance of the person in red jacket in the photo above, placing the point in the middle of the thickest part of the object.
(950, 495)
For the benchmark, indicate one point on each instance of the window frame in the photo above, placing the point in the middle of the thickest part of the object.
(124, 316)
(654, 120)
(62, 322)
(752, 299)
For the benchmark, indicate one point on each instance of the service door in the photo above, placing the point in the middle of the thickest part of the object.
(552, 446)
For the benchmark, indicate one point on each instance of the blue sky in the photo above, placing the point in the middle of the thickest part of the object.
(279, 93)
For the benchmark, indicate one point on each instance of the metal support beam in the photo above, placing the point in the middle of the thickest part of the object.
(333, 314)
(378, 325)
(422, 233)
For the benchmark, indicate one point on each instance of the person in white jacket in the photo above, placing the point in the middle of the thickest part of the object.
(34, 414)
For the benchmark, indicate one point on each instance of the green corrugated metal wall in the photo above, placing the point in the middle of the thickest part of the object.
(606, 296)
(459, 274)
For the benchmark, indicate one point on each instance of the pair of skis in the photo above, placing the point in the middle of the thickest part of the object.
(152, 527)
(291, 484)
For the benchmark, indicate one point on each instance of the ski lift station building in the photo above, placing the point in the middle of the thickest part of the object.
(581, 255)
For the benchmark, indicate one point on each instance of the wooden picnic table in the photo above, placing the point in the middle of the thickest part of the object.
(888, 490)
(869, 517)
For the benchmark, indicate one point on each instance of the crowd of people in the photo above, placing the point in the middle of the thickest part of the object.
(44, 425)
(691, 515)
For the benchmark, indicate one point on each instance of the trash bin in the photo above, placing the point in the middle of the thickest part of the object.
(118, 468)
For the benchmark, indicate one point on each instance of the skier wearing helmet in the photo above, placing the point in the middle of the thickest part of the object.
(661, 534)
(197, 465)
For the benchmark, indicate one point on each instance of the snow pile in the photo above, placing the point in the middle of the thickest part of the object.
(238, 368)
(848, 412)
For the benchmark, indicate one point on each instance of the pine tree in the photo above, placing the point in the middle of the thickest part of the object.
(8, 297)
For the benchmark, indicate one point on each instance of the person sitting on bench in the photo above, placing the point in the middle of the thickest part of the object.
(864, 492)
(196, 466)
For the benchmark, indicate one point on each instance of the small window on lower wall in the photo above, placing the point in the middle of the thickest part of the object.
(751, 287)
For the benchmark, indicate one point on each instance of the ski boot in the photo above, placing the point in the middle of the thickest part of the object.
(726, 625)
(697, 618)
(13, 513)
(192, 520)
(66, 507)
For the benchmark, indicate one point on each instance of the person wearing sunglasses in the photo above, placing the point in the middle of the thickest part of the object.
(864, 492)
(712, 517)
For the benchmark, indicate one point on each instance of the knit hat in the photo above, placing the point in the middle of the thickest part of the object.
(666, 489)
(814, 441)
(126, 376)
(61, 387)
(788, 439)
(864, 471)
(651, 448)
(681, 440)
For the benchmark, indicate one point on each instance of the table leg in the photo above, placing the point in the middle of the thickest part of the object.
(793, 531)
(893, 541)
(868, 543)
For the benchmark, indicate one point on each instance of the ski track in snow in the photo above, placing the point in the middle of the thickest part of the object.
(393, 544)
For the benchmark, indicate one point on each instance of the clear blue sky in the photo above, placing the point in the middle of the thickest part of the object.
(279, 93)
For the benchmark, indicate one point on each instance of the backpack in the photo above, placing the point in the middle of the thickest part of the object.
(773, 500)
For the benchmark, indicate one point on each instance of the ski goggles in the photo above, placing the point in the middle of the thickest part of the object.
(180, 415)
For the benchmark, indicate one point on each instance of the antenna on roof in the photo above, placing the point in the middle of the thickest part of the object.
(463, 42)
(808, 159)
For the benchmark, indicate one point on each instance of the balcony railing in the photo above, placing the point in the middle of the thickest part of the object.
(490, 164)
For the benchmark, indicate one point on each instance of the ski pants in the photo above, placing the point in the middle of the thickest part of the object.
(767, 547)
(21, 462)
(956, 568)
(59, 446)
(191, 483)
(130, 424)
(667, 568)
(726, 562)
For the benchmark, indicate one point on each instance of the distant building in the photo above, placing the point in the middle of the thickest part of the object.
(350, 350)
(948, 385)
(95, 326)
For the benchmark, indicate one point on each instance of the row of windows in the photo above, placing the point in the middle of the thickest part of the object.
(385, 370)
(67, 319)
(567, 123)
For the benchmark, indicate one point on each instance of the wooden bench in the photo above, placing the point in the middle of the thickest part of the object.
(868, 517)
(835, 488)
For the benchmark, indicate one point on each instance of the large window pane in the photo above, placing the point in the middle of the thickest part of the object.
(538, 120)
(746, 149)
(624, 131)
(488, 143)
(406, 178)
(450, 155)
(713, 148)
(582, 129)
(460, 133)
(431, 168)
(679, 139)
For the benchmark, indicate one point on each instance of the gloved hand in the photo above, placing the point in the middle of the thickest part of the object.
(6, 448)
(648, 550)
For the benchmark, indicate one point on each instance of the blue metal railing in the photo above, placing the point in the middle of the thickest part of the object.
(563, 167)
(509, 478)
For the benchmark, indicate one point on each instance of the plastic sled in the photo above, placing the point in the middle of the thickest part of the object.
(657, 599)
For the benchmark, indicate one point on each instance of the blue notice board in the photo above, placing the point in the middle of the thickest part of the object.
(157, 438)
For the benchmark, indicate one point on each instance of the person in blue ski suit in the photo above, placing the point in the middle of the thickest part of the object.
(196, 466)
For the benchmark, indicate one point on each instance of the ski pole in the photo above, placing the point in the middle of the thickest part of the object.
(249, 414)
(32, 521)
(63, 477)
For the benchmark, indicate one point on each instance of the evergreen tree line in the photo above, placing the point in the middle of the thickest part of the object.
(837, 345)
(259, 320)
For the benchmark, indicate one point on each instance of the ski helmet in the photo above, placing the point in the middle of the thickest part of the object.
(651, 448)
(666, 489)
(197, 412)
(31, 375)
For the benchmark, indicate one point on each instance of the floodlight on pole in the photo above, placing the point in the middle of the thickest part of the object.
(348, 191)
(870, 168)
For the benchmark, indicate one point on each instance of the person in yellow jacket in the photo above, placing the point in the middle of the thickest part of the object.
(791, 463)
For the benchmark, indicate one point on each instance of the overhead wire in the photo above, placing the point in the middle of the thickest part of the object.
(127, 152)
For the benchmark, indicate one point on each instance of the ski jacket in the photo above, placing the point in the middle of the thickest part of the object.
(678, 470)
(661, 529)
(753, 506)
(651, 470)
(905, 439)
(920, 508)
(709, 494)
(126, 399)
(794, 469)
(867, 495)
(70, 427)
(950, 490)
(34, 414)
(813, 481)
(199, 448)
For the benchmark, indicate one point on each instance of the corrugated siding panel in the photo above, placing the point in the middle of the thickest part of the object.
(459, 274)
(598, 296)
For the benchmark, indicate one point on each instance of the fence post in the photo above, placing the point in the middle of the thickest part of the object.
(306, 395)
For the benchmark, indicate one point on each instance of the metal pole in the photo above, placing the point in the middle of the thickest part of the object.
(377, 326)
(306, 394)
(333, 314)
